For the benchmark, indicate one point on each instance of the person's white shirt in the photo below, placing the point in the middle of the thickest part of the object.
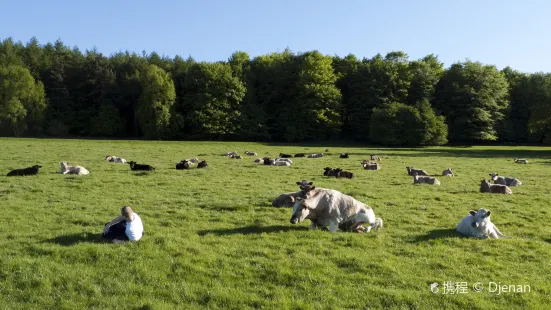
(134, 229)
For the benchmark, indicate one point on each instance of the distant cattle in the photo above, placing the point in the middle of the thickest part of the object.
(344, 155)
(329, 172)
(344, 174)
(284, 159)
(300, 155)
(367, 165)
(375, 157)
(184, 164)
(231, 154)
(448, 172)
(285, 155)
(520, 161)
(250, 153)
(487, 187)
(115, 159)
(202, 164)
(66, 169)
(24, 171)
(505, 180)
(318, 155)
(139, 167)
(193, 160)
(423, 179)
(411, 171)
(281, 163)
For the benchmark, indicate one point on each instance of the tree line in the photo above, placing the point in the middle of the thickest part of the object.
(55, 90)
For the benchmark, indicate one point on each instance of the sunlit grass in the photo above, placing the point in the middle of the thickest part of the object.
(213, 240)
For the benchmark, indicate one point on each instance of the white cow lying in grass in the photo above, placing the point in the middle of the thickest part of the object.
(115, 159)
(66, 169)
(326, 207)
(478, 224)
(505, 180)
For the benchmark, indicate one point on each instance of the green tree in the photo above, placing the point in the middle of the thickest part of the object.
(22, 99)
(214, 96)
(425, 74)
(473, 97)
(155, 101)
(377, 83)
(405, 125)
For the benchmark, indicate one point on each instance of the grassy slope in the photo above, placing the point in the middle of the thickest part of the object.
(214, 241)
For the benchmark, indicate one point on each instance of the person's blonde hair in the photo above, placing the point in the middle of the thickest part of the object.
(126, 211)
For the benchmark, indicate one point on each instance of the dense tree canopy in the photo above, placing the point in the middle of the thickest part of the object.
(55, 90)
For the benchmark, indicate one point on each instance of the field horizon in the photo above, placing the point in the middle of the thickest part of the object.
(213, 240)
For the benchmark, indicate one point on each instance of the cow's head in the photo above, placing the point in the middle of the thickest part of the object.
(494, 176)
(37, 166)
(300, 210)
(480, 218)
(304, 183)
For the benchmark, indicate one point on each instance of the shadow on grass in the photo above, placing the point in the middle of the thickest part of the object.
(437, 234)
(141, 174)
(253, 229)
(72, 239)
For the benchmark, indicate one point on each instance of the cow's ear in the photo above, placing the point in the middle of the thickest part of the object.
(472, 212)
(488, 213)
(310, 183)
(298, 183)
(313, 187)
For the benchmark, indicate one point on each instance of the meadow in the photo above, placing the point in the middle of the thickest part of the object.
(213, 240)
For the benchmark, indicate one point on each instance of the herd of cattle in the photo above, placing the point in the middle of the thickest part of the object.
(330, 209)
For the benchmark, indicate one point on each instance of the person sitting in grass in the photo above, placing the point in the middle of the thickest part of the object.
(126, 227)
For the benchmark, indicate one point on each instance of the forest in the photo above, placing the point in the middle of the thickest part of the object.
(54, 90)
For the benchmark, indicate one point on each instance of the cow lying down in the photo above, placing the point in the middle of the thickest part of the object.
(478, 224)
(327, 207)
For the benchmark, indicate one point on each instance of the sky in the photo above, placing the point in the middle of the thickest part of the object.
(503, 33)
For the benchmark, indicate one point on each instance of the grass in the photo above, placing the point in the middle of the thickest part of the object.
(213, 240)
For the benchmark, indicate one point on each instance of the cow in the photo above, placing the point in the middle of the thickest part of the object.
(268, 161)
(300, 155)
(420, 179)
(137, 167)
(184, 164)
(259, 160)
(326, 207)
(375, 157)
(520, 161)
(344, 155)
(344, 174)
(419, 171)
(280, 163)
(478, 224)
(115, 159)
(66, 169)
(505, 180)
(202, 164)
(448, 172)
(285, 155)
(318, 155)
(193, 160)
(24, 171)
(284, 159)
(487, 187)
(329, 172)
(367, 165)
(251, 153)
(230, 153)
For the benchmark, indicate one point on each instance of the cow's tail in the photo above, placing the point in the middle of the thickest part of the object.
(378, 223)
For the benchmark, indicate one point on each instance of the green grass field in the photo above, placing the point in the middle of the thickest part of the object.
(213, 240)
